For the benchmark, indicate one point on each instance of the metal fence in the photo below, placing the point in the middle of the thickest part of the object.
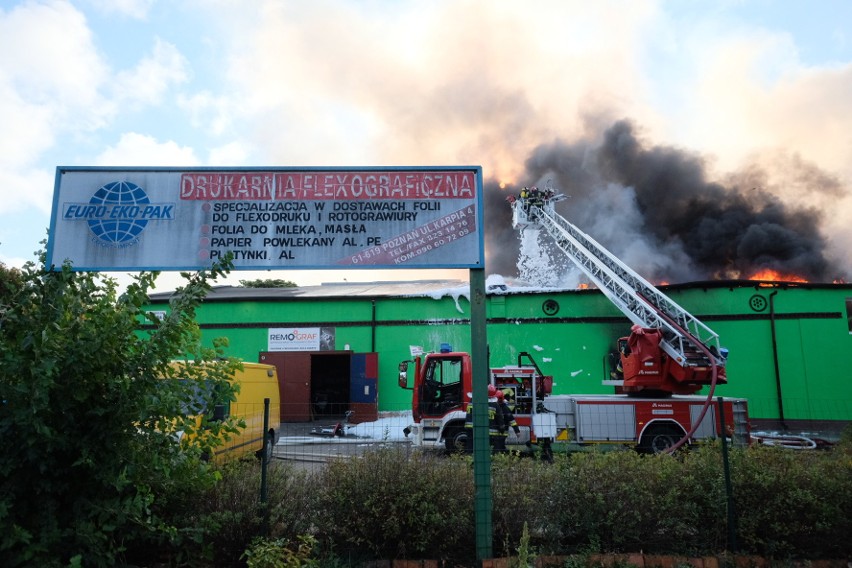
(313, 443)
(332, 435)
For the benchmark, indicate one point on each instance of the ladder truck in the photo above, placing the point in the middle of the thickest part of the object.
(667, 358)
(669, 351)
(669, 355)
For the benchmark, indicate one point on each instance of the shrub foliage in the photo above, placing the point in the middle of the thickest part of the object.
(392, 505)
(89, 464)
(395, 504)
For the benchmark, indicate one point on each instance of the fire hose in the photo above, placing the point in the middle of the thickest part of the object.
(708, 400)
(703, 348)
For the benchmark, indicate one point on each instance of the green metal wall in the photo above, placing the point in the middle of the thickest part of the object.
(812, 337)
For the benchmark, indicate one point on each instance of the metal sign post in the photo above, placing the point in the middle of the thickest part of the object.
(481, 446)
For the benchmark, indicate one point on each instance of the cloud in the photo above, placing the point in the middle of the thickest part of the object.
(135, 149)
(754, 96)
(21, 188)
(153, 76)
(229, 154)
(490, 83)
(135, 9)
(54, 92)
(485, 82)
(49, 85)
(48, 88)
(441, 83)
(207, 112)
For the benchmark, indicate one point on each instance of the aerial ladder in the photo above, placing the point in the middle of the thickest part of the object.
(669, 351)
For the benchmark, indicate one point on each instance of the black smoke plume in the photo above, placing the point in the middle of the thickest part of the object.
(654, 208)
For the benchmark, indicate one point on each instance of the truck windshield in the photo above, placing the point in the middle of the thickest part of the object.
(444, 371)
(442, 386)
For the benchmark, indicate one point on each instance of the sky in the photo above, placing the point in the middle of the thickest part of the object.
(697, 140)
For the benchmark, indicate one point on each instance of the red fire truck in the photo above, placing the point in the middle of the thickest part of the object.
(442, 390)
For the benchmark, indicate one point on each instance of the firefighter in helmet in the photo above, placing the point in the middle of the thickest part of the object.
(524, 197)
(509, 397)
(508, 419)
(496, 423)
(537, 196)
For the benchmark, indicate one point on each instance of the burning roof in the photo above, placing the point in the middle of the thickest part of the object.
(655, 208)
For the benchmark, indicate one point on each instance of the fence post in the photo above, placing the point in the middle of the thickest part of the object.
(264, 463)
(729, 488)
(482, 500)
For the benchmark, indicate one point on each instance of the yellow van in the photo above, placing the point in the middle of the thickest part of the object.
(254, 382)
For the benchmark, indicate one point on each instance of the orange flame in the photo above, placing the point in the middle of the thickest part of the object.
(774, 275)
(582, 286)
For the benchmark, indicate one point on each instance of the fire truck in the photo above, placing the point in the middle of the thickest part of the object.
(659, 367)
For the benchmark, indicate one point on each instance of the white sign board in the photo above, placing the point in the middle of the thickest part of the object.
(179, 219)
(294, 339)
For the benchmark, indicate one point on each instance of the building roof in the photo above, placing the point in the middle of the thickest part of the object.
(329, 290)
(438, 288)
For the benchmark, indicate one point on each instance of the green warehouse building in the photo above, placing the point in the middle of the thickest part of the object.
(338, 346)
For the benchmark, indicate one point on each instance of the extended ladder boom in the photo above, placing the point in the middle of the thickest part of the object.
(637, 298)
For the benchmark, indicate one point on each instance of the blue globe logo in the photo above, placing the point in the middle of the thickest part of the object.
(119, 229)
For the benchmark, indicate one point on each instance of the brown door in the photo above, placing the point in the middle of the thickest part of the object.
(294, 383)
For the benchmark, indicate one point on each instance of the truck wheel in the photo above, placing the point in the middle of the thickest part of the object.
(455, 440)
(659, 438)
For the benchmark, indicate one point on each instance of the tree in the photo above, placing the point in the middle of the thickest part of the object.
(89, 453)
(268, 283)
(10, 278)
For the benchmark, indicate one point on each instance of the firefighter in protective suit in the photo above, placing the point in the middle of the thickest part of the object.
(509, 398)
(524, 196)
(497, 424)
(508, 420)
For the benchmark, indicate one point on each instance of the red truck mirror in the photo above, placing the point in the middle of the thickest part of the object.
(403, 374)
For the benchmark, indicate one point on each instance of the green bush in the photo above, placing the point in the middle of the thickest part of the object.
(230, 514)
(623, 501)
(388, 504)
(281, 553)
(524, 495)
(89, 463)
(792, 503)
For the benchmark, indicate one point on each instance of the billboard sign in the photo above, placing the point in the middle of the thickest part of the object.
(300, 339)
(294, 339)
(268, 218)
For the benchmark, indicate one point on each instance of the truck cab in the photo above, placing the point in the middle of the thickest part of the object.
(442, 389)
(441, 392)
